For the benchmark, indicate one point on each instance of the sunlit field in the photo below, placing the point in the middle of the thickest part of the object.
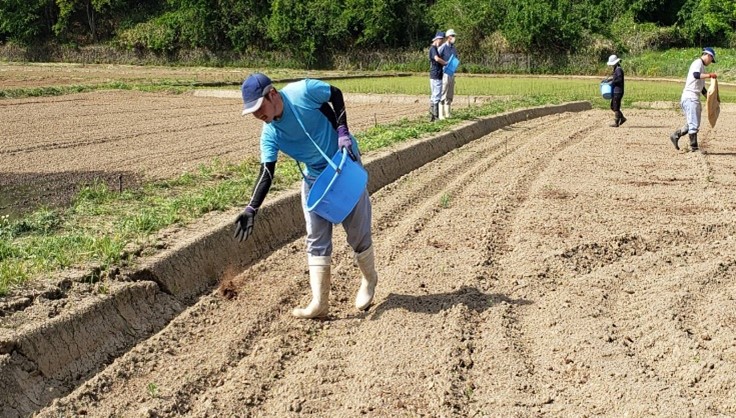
(564, 89)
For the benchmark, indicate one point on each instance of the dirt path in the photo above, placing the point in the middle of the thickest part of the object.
(554, 268)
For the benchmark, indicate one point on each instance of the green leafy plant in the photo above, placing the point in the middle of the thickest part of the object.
(445, 200)
(152, 389)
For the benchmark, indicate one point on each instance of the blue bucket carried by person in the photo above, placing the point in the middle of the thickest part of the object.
(606, 90)
(337, 189)
(451, 66)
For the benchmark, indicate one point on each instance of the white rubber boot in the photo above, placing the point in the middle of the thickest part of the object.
(366, 262)
(442, 111)
(319, 281)
(447, 110)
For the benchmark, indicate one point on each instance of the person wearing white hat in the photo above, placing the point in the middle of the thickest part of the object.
(690, 99)
(447, 50)
(617, 86)
(435, 75)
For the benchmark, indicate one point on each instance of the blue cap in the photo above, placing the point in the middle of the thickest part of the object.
(710, 52)
(254, 89)
(439, 35)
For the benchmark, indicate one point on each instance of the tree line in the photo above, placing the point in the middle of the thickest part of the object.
(310, 30)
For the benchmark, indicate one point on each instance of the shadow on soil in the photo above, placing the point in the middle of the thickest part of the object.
(471, 297)
(731, 154)
(22, 193)
(647, 126)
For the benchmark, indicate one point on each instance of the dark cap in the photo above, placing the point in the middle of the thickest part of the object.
(710, 52)
(254, 89)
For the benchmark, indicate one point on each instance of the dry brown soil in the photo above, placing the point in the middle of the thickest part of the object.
(30, 75)
(556, 268)
(52, 146)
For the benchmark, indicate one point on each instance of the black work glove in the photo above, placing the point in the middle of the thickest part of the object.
(244, 223)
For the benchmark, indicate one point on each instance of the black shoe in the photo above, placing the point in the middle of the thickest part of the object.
(621, 121)
(694, 142)
(675, 138)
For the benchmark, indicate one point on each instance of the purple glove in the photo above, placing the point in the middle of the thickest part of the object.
(344, 141)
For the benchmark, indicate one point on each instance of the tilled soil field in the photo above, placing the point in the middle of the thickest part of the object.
(54, 145)
(557, 267)
(32, 75)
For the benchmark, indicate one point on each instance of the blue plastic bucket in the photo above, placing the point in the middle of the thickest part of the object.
(606, 90)
(335, 193)
(451, 66)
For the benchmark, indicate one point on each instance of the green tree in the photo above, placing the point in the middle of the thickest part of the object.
(661, 12)
(309, 29)
(546, 27)
(710, 22)
(473, 20)
(25, 21)
(245, 23)
(387, 23)
(84, 17)
(196, 23)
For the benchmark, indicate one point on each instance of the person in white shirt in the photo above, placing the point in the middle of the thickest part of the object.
(690, 99)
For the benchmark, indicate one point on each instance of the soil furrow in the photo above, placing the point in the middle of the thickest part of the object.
(445, 180)
(554, 268)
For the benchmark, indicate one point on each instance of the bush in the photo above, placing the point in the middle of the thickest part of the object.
(156, 35)
(639, 37)
(708, 22)
(548, 28)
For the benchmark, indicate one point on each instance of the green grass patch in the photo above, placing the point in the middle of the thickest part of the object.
(541, 89)
(101, 222)
(675, 63)
(158, 86)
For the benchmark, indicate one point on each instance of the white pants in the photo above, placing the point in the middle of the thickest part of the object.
(448, 88)
(692, 109)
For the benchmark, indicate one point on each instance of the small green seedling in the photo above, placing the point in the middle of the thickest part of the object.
(445, 200)
(152, 389)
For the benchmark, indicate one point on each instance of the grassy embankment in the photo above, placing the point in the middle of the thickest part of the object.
(673, 63)
(103, 227)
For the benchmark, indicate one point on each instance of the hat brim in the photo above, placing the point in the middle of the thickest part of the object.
(614, 62)
(252, 106)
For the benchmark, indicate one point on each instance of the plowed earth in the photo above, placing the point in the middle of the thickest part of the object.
(557, 267)
(26, 75)
(52, 146)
